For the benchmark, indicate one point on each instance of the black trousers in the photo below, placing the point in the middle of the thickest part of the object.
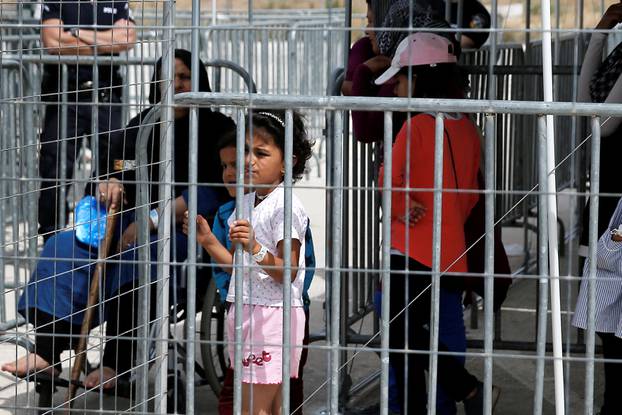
(79, 119)
(452, 375)
(122, 328)
(52, 336)
(612, 349)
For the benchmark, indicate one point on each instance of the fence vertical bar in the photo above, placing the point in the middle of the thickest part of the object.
(593, 238)
(192, 213)
(543, 261)
(3, 186)
(492, 59)
(337, 217)
(489, 266)
(265, 43)
(238, 266)
(97, 169)
(576, 169)
(328, 242)
(287, 303)
(459, 19)
(287, 259)
(386, 262)
(62, 182)
(31, 168)
(347, 35)
(165, 195)
(144, 254)
(489, 217)
(436, 259)
(547, 81)
(13, 186)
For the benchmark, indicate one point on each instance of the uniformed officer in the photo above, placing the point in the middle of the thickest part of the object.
(79, 27)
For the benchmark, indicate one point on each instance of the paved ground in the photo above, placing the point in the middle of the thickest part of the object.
(514, 372)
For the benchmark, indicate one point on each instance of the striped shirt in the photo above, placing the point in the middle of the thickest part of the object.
(608, 283)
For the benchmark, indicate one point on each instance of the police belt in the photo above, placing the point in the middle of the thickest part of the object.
(85, 90)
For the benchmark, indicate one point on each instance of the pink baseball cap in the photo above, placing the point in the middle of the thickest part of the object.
(421, 48)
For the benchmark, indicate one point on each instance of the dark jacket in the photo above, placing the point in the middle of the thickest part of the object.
(212, 125)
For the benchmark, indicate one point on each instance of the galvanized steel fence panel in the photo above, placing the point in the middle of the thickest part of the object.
(282, 55)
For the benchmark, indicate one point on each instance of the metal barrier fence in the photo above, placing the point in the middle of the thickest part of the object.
(277, 56)
(339, 192)
(515, 175)
(264, 51)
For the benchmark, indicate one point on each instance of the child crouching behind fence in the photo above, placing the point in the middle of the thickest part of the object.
(261, 237)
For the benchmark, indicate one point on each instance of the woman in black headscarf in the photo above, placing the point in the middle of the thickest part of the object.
(212, 126)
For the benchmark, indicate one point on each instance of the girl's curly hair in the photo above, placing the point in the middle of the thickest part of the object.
(273, 121)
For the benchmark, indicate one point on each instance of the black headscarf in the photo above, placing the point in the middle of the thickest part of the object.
(186, 58)
(422, 15)
(212, 126)
(606, 76)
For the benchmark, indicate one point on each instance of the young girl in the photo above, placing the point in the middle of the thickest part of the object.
(261, 237)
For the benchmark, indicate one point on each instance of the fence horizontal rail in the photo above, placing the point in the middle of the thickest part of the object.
(398, 104)
(68, 59)
(260, 25)
(519, 69)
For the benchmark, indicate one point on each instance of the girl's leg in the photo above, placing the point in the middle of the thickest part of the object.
(612, 349)
(277, 408)
(225, 400)
(263, 396)
(296, 395)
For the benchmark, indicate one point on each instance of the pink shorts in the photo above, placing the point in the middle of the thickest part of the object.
(262, 346)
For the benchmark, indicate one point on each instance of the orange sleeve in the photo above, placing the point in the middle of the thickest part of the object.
(400, 158)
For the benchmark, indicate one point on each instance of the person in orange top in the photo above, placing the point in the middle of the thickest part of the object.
(424, 66)
(461, 154)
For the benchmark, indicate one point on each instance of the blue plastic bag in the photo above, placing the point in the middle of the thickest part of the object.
(90, 218)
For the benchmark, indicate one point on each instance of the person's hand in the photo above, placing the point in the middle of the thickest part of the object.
(378, 63)
(416, 212)
(111, 192)
(129, 237)
(242, 232)
(204, 232)
(612, 17)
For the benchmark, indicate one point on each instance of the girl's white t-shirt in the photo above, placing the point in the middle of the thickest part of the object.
(267, 219)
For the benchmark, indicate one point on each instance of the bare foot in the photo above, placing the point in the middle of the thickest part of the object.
(28, 364)
(93, 378)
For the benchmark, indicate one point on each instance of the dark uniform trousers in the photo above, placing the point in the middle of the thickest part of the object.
(79, 127)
